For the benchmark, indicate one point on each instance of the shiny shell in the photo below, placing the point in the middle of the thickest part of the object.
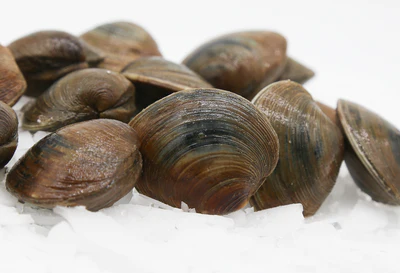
(82, 95)
(12, 83)
(209, 148)
(373, 152)
(296, 71)
(155, 78)
(311, 149)
(45, 56)
(92, 164)
(121, 43)
(8, 133)
(241, 62)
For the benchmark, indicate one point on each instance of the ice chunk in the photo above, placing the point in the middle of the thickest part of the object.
(39, 135)
(10, 216)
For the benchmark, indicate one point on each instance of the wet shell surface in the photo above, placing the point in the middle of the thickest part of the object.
(92, 164)
(311, 149)
(209, 148)
(82, 95)
(121, 43)
(12, 82)
(373, 152)
(242, 62)
(8, 133)
(155, 78)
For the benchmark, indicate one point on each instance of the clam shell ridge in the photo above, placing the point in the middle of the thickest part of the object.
(8, 133)
(209, 148)
(92, 163)
(311, 149)
(373, 152)
(82, 95)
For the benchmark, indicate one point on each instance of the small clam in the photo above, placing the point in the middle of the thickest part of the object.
(311, 149)
(373, 152)
(45, 56)
(12, 83)
(82, 95)
(155, 78)
(92, 164)
(330, 113)
(121, 43)
(209, 148)
(296, 71)
(8, 133)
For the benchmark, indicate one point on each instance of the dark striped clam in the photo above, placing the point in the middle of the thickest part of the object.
(155, 78)
(8, 133)
(92, 164)
(372, 152)
(12, 82)
(45, 56)
(121, 43)
(82, 95)
(209, 148)
(311, 149)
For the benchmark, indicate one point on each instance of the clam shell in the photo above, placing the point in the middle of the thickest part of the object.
(296, 72)
(82, 95)
(92, 164)
(155, 78)
(12, 83)
(209, 148)
(121, 43)
(373, 152)
(311, 149)
(8, 133)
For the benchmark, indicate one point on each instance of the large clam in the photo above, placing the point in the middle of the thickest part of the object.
(8, 133)
(311, 149)
(121, 43)
(155, 78)
(92, 164)
(12, 82)
(82, 95)
(45, 56)
(372, 152)
(209, 148)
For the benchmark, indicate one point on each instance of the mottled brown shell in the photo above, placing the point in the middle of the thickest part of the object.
(92, 164)
(311, 149)
(242, 62)
(121, 43)
(373, 152)
(12, 83)
(209, 148)
(8, 133)
(45, 56)
(155, 78)
(82, 95)
(330, 113)
(296, 72)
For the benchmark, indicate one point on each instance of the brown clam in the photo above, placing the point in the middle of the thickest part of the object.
(82, 95)
(372, 153)
(155, 78)
(12, 83)
(209, 148)
(45, 56)
(121, 43)
(330, 113)
(8, 133)
(311, 149)
(92, 164)
(296, 71)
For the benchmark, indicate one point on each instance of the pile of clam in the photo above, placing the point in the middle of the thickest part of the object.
(228, 126)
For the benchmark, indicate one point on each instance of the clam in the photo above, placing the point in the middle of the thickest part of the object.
(45, 56)
(82, 95)
(209, 148)
(330, 113)
(121, 43)
(296, 71)
(92, 164)
(311, 149)
(8, 133)
(155, 78)
(12, 83)
(372, 153)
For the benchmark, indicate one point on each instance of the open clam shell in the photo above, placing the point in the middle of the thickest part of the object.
(373, 152)
(8, 133)
(209, 148)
